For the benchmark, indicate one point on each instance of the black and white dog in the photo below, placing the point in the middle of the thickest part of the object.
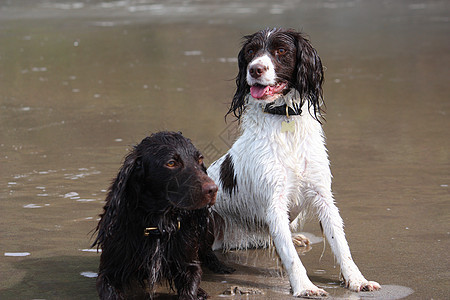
(278, 170)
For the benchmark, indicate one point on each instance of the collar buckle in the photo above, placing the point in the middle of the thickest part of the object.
(151, 230)
(155, 230)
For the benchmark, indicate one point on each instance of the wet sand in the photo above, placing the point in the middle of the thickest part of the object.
(80, 82)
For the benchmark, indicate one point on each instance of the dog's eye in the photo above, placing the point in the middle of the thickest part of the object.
(281, 51)
(250, 52)
(171, 164)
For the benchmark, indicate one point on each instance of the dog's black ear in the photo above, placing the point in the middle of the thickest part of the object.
(309, 75)
(120, 198)
(242, 88)
(123, 189)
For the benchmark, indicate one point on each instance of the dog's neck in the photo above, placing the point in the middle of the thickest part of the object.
(155, 230)
(285, 105)
(283, 110)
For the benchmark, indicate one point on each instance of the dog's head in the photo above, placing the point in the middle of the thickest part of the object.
(271, 63)
(164, 169)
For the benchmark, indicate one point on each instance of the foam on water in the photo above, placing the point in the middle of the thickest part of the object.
(17, 254)
(89, 274)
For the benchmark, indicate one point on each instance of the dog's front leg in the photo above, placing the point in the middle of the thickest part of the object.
(105, 289)
(278, 223)
(333, 228)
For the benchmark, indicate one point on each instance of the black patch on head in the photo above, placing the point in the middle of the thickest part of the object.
(227, 177)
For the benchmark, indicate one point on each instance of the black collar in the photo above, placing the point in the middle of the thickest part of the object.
(283, 110)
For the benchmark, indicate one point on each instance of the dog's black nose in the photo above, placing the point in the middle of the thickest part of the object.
(257, 70)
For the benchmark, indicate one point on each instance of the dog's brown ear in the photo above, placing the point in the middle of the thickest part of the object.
(309, 75)
(122, 188)
(118, 198)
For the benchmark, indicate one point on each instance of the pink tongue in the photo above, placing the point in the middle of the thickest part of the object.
(258, 91)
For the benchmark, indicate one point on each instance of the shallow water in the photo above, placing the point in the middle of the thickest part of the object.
(80, 82)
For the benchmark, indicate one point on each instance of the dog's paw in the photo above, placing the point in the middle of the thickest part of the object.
(224, 269)
(312, 292)
(300, 240)
(220, 268)
(211, 261)
(228, 269)
(362, 285)
(370, 286)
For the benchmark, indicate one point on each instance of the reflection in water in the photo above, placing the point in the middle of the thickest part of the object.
(82, 81)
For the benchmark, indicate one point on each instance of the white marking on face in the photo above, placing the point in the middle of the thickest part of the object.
(268, 77)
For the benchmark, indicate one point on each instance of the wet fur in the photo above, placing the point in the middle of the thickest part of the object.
(270, 179)
(146, 193)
